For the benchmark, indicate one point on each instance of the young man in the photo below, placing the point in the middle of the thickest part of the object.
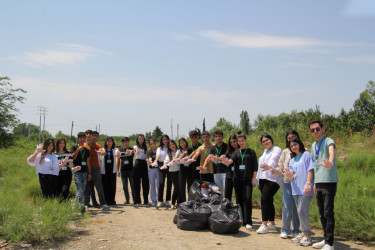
(94, 171)
(207, 172)
(81, 158)
(125, 164)
(220, 169)
(325, 171)
(194, 137)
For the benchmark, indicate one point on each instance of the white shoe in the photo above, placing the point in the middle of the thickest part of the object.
(283, 235)
(248, 226)
(297, 239)
(319, 244)
(271, 226)
(305, 241)
(328, 247)
(158, 204)
(262, 229)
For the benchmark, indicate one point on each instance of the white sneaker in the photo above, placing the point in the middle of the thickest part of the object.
(158, 204)
(305, 241)
(271, 226)
(319, 244)
(283, 235)
(262, 229)
(328, 247)
(248, 226)
(297, 239)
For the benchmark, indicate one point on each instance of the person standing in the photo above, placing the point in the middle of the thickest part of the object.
(323, 151)
(153, 172)
(269, 182)
(186, 176)
(232, 147)
(47, 167)
(140, 171)
(206, 172)
(65, 173)
(126, 170)
(94, 170)
(161, 154)
(195, 144)
(109, 171)
(81, 161)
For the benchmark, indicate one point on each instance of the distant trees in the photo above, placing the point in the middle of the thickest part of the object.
(157, 133)
(227, 127)
(204, 124)
(245, 122)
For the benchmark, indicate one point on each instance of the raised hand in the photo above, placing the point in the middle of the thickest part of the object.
(39, 148)
(66, 159)
(327, 163)
(287, 173)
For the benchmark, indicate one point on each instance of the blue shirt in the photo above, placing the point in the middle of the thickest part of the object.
(300, 165)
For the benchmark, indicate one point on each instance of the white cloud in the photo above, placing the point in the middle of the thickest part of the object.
(357, 59)
(179, 36)
(67, 54)
(257, 40)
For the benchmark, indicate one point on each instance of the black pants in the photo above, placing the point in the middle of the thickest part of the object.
(162, 175)
(207, 177)
(268, 190)
(185, 177)
(195, 173)
(325, 197)
(228, 187)
(141, 174)
(176, 192)
(244, 194)
(63, 183)
(109, 187)
(127, 177)
(48, 184)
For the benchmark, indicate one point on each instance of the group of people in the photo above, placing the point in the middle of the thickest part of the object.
(230, 165)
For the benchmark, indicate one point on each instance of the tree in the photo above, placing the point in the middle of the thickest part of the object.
(8, 120)
(245, 122)
(204, 124)
(157, 133)
(227, 127)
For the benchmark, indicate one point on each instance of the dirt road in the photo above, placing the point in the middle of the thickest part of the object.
(129, 227)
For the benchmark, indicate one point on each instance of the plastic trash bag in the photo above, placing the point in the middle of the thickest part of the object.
(191, 215)
(200, 189)
(227, 219)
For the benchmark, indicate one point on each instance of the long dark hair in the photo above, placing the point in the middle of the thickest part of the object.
(169, 149)
(58, 142)
(149, 143)
(45, 146)
(143, 146)
(161, 140)
(265, 136)
(231, 149)
(106, 142)
(300, 143)
(184, 140)
(290, 132)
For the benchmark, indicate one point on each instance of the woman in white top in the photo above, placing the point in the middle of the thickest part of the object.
(269, 182)
(161, 154)
(140, 171)
(47, 167)
(174, 169)
(109, 171)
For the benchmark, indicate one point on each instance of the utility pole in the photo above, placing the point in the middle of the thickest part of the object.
(44, 121)
(99, 129)
(41, 110)
(171, 128)
(71, 134)
(178, 128)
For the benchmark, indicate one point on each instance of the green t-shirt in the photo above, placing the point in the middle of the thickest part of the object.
(323, 174)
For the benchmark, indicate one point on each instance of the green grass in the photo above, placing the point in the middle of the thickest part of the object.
(24, 215)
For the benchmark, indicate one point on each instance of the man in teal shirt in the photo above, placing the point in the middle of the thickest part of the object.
(325, 174)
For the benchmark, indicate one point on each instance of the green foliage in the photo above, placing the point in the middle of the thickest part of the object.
(157, 133)
(225, 126)
(8, 120)
(204, 124)
(245, 122)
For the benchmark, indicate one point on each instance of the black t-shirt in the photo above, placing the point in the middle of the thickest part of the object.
(151, 154)
(229, 168)
(61, 157)
(191, 149)
(126, 160)
(245, 157)
(108, 161)
(81, 159)
(220, 167)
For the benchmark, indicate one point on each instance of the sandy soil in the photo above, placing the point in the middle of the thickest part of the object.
(126, 226)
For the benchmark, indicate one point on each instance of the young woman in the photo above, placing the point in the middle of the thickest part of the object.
(47, 167)
(109, 171)
(140, 171)
(153, 172)
(186, 174)
(232, 147)
(65, 173)
(245, 167)
(161, 154)
(269, 182)
(289, 212)
(174, 169)
(301, 170)
(125, 167)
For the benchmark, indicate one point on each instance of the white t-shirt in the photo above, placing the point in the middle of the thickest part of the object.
(162, 152)
(271, 158)
(141, 156)
(50, 164)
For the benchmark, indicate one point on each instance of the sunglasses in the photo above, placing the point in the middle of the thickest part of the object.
(317, 129)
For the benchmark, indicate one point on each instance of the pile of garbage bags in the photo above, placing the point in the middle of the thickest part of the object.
(206, 210)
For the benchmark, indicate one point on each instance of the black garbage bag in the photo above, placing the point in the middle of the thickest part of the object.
(200, 189)
(191, 215)
(175, 219)
(213, 202)
(227, 219)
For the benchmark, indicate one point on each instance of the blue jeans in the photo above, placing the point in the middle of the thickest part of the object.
(153, 177)
(289, 211)
(127, 176)
(220, 181)
(80, 179)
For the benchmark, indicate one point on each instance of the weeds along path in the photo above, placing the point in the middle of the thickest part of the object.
(125, 227)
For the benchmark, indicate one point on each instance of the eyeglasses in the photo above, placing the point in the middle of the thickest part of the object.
(317, 129)
(266, 140)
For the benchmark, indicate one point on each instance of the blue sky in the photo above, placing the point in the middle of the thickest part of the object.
(132, 65)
